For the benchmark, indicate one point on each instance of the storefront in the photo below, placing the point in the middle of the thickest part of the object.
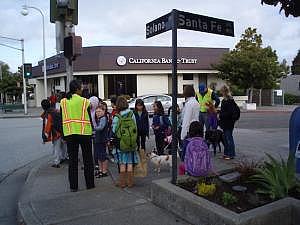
(131, 70)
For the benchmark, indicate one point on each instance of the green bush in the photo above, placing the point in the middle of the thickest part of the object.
(276, 178)
(290, 99)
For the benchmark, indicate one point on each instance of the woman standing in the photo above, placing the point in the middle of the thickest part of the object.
(228, 115)
(190, 111)
(125, 155)
(77, 130)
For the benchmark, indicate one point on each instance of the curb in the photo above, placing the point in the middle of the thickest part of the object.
(25, 212)
(18, 116)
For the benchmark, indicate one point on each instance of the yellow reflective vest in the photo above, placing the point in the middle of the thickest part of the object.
(203, 100)
(75, 117)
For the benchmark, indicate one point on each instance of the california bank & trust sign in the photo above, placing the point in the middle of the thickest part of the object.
(161, 60)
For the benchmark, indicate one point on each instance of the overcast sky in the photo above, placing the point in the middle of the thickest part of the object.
(119, 22)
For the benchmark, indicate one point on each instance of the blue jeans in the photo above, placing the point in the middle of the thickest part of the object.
(229, 149)
(203, 120)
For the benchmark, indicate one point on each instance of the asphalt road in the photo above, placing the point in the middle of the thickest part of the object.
(20, 143)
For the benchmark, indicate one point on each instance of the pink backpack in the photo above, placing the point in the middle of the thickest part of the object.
(197, 159)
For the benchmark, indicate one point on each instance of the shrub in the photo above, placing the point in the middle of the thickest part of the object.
(228, 198)
(247, 167)
(276, 178)
(290, 99)
(206, 189)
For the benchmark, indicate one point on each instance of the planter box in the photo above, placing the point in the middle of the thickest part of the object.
(249, 106)
(197, 210)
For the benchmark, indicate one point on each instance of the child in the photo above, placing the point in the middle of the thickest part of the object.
(212, 117)
(114, 111)
(101, 140)
(142, 122)
(49, 133)
(159, 125)
(197, 161)
(125, 157)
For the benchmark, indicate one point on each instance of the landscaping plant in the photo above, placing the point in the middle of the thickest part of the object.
(247, 167)
(228, 198)
(276, 178)
(206, 189)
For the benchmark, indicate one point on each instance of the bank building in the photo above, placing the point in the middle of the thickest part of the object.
(139, 69)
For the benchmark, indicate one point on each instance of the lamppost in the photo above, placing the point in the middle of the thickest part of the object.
(25, 12)
(23, 61)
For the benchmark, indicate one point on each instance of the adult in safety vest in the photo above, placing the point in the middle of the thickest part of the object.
(77, 130)
(205, 96)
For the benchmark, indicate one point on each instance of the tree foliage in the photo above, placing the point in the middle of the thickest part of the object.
(249, 65)
(11, 83)
(296, 64)
(290, 7)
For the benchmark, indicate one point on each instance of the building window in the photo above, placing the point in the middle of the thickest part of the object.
(57, 81)
(188, 76)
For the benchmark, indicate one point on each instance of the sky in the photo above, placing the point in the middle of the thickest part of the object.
(119, 22)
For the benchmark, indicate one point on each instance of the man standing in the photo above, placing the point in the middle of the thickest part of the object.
(77, 130)
(204, 97)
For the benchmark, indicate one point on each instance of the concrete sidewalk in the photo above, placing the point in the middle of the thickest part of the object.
(46, 198)
(31, 113)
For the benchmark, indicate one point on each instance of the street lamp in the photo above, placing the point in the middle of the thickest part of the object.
(25, 12)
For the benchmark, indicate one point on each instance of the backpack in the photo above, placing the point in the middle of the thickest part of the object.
(56, 121)
(166, 125)
(236, 112)
(197, 159)
(126, 133)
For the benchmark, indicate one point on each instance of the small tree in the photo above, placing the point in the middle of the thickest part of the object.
(296, 64)
(290, 7)
(249, 65)
(9, 82)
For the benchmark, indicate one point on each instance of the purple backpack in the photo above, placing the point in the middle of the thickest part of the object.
(197, 159)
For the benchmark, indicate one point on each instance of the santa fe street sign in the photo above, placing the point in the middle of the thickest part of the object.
(190, 21)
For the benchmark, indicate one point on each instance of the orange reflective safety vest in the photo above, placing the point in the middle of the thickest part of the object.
(75, 116)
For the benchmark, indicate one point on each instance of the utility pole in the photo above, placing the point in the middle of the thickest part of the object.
(24, 80)
(69, 62)
(64, 13)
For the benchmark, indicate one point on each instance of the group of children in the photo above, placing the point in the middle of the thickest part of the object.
(103, 131)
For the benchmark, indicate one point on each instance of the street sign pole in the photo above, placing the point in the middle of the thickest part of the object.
(174, 96)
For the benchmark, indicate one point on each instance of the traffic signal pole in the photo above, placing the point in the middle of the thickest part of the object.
(24, 80)
(69, 62)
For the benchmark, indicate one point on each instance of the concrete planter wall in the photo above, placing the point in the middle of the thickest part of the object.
(197, 210)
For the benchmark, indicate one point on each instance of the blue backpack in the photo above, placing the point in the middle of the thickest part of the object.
(197, 159)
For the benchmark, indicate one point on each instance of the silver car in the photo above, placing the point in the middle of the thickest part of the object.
(166, 101)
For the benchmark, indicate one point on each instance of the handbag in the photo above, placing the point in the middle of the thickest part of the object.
(140, 170)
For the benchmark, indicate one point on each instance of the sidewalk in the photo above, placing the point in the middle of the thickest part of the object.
(31, 113)
(46, 198)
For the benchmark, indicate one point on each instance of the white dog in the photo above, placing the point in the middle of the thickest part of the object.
(160, 160)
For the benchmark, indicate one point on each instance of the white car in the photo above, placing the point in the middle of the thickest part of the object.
(166, 101)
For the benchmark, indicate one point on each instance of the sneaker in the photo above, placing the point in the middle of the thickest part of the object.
(55, 166)
(104, 174)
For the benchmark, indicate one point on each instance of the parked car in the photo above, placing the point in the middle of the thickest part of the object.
(166, 101)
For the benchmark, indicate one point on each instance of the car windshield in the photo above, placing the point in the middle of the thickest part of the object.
(131, 100)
